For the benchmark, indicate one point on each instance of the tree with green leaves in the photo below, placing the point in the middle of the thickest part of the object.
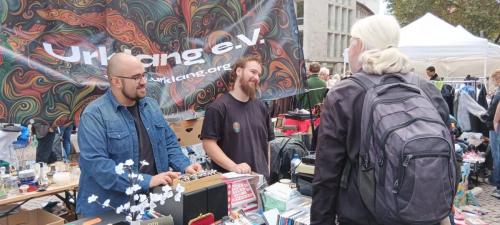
(477, 16)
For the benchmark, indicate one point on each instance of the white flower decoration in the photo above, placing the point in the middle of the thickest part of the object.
(126, 206)
(155, 197)
(135, 209)
(106, 203)
(166, 188)
(168, 194)
(178, 196)
(143, 198)
(129, 191)
(92, 198)
(136, 187)
(119, 209)
(119, 169)
(129, 162)
(179, 188)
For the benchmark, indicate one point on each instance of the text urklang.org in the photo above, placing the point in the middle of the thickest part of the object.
(198, 74)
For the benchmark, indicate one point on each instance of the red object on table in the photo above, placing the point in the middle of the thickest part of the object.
(32, 188)
(206, 219)
(302, 125)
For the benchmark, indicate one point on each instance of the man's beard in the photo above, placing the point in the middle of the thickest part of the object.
(135, 98)
(248, 89)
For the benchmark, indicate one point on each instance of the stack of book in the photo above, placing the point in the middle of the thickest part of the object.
(297, 216)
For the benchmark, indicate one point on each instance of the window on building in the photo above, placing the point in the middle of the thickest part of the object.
(300, 12)
(344, 43)
(349, 19)
(331, 16)
(338, 46)
(338, 19)
(330, 42)
(344, 20)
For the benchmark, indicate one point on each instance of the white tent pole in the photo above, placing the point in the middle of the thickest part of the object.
(485, 60)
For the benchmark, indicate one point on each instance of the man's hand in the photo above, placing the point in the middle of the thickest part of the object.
(241, 168)
(163, 179)
(193, 168)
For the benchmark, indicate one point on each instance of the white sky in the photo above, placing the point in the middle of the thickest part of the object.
(383, 7)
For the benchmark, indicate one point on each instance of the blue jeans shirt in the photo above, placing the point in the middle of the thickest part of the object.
(107, 136)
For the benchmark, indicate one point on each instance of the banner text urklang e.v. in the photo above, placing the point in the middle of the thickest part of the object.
(53, 54)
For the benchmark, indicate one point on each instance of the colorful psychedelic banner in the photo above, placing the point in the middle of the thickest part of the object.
(54, 53)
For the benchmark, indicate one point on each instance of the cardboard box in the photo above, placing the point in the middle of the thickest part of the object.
(188, 131)
(32, 217)
(113, 218)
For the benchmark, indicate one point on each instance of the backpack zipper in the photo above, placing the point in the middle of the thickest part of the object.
(406, 162)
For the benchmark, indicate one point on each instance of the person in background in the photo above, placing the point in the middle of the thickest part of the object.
(332, 81)
(316, 87)
(324, 74)
(431, 73)
(45, 136)
(492, 118)
(124, 124)
(496, 121)
(237, 127)
(66, 140)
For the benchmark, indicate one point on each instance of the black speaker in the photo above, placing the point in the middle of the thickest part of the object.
(215, 200)
(211, 199)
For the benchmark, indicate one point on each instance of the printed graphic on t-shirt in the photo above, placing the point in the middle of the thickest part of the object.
(236, 127)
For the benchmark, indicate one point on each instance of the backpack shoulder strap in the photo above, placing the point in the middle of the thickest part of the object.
(414, 79)
(362, 80)
(366, 83)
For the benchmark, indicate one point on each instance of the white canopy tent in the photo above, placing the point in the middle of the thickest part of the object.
(452, 50)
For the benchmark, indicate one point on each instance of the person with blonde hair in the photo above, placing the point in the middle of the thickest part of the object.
(373, 53)
(332, 81)
(492, 119)
(324, 74)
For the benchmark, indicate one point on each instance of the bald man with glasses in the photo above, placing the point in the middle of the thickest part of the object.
(120, 125)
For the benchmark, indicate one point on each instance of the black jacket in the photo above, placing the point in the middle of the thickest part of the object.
(339, 139)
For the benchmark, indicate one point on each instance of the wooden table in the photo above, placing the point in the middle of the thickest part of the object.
(69, 190)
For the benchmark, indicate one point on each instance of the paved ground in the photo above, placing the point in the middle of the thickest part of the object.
(490, 203)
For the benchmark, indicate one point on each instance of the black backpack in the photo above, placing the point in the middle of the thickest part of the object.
(282, 150)
(406, 165)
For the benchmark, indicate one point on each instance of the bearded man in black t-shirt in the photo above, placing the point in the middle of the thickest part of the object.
(237, 127)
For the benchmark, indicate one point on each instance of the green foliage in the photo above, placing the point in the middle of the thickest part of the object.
(473, 15)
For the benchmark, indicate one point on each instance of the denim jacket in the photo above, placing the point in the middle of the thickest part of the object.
(107, 136)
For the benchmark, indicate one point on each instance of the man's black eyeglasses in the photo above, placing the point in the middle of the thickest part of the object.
(136, 77)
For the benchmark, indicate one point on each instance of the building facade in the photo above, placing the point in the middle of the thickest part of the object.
(324, 27)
